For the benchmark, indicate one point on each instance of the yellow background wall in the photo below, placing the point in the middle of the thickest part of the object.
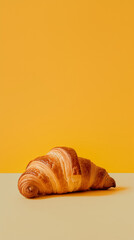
(67, 78)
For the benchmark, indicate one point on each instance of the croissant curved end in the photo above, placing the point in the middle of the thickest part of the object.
(114, 183)
(110, 182)
(28, 188)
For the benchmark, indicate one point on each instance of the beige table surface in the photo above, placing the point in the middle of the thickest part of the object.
(90, 215)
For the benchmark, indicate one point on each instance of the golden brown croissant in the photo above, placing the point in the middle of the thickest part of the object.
(61, 171)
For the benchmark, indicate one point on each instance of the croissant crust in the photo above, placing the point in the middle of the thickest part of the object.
(61, 171)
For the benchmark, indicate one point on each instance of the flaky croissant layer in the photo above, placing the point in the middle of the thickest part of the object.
(61, 171)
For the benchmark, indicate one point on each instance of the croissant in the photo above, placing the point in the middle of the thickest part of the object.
(61, 171)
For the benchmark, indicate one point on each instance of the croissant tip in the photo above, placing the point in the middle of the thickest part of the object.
(114, 183)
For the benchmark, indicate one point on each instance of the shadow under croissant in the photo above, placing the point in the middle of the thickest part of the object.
(90, 193)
